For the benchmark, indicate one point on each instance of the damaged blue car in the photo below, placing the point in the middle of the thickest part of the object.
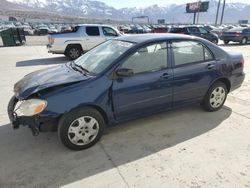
(123, 79)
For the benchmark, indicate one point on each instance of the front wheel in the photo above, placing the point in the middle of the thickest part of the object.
(243, 40)
(215, 41)
(81, 128)
(215, 97)
(226, 41)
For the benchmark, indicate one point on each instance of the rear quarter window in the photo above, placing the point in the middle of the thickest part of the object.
(193, 30)
(176, 30)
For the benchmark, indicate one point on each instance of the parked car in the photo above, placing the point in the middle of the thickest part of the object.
(218, 31)
(198, 31)
(240, 34)
(81, 39)
(41, 30)
(52, 29)
(209, 27)
(162, 29)
(121, 79)
(124, 28)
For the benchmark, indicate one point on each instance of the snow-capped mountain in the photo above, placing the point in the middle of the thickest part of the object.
(96, 9)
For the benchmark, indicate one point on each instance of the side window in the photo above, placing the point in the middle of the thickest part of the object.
(246, 31)
(92, 31)
(207, 54)
(148, 59)
(203, 31)
(193, 30)
(107, 31)
(190, 52)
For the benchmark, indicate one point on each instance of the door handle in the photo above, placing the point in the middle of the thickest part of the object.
(165, 76)
(210, 66)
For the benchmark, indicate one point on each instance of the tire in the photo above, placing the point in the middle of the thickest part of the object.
(226, 41)
(215, 97)
(81, 128)
(243, 40)
(215, 41)
(73, 52)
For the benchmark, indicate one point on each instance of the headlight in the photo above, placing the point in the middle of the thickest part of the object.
(30, 107)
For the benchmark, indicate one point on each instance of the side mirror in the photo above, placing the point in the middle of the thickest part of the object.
(123, 72)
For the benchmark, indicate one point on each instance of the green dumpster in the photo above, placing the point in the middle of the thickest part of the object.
(11, 37)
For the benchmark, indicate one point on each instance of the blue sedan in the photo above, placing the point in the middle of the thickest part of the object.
(122, 79)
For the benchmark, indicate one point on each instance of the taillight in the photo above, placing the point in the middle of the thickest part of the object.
(237, 33)
(51, 40)
(242, 61)
(180, 33)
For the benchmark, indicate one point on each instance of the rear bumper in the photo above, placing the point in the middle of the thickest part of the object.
(231, 38)
(55, 49)
(35, 123)
(237, 81)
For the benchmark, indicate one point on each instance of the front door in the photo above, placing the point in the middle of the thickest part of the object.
(194, 31)
(149, 89)
(109, 33)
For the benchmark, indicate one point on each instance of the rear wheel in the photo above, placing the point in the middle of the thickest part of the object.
(73, 52)
(243, 40)
(226, 41)
(81, 128)
(215, 97)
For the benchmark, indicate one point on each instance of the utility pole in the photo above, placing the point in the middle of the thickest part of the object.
(194, 18)
(222, 14)
(198, 16)
(217, 13)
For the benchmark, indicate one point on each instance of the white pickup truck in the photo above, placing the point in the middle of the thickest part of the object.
(81, 39)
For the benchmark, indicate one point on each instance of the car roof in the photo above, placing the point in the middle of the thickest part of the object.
(140, 38)
(239, 28)
(95, 25)
(186, 26)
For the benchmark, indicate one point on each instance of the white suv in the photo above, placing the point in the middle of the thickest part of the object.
(81, 39)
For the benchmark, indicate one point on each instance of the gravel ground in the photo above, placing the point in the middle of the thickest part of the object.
(182, 148)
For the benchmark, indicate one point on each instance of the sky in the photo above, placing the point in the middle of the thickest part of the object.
(144, 3)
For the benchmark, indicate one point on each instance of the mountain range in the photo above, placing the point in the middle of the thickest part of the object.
(172, 13)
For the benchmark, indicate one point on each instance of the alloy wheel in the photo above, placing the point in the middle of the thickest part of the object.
(74, 53)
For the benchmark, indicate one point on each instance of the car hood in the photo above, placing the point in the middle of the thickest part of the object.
(46, 78)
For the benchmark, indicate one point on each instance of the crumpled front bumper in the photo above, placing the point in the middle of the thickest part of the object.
(12, 115)
(35, 123)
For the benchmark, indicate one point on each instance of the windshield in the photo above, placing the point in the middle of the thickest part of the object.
(100, 57)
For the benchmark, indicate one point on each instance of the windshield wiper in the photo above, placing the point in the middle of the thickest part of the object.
(82, 68)
(79, 67)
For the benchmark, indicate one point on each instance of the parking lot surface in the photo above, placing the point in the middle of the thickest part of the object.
(186, 147)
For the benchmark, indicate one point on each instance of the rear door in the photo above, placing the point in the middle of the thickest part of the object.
(92, 37)
(194, 70)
